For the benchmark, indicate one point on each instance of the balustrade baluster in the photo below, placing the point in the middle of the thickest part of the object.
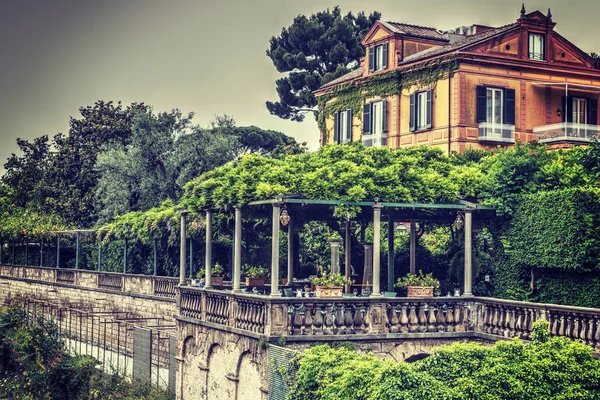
(450, 317)
(569, 330)
(459, 317)
(404, 318)
(441, 317)
(318, 320)
(494, 326)
(309, 320)
(393, 318)
(431, 320)
(597, 335)
(584, 328)
(413, 321)
(340, 319)
(349, 318)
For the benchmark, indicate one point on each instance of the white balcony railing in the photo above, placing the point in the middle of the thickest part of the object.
(492, 132)
(567, 131)
(375, 140)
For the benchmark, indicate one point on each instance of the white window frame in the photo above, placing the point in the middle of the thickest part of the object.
(537, 47)
(378, 58)
(491, 105)
(377, 118)
(421, 104)
(577, 103)
(344, 127)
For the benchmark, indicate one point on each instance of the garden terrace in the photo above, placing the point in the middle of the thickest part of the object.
(292, 212)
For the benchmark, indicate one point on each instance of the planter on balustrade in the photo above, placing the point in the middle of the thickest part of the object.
(255, 281)
(420, 291)
(325, 291)
(216, 280)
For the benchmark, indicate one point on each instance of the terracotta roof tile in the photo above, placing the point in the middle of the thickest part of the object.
(460, 45)
(416, 30)
(357, 73)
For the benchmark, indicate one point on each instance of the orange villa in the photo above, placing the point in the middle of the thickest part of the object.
(472, 87)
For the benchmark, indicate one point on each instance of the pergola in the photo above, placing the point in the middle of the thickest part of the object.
(304, 210)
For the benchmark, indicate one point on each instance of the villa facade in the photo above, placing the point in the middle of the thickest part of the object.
(472, 87)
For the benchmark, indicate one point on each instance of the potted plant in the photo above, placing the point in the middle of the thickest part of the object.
(330, 285)
(216, 276)
(419, 285)
(255, 276)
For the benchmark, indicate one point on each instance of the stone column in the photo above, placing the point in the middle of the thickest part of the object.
(390, 271)
(376, 251)
(290, 253)
(348, 255)
(413, 247)
(275, 251)
(182, 248)
(237, 251)
(208, 259)
(468, 254)
(335, 256)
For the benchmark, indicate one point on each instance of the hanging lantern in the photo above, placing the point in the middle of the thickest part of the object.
(459, 221)
(284, 217)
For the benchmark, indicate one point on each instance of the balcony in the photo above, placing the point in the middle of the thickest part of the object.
(492, 132)
(375, 140)
(567, 132)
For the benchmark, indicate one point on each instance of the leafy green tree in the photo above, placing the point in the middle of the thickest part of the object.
(311, 52)
(140, 175)
(24, 177)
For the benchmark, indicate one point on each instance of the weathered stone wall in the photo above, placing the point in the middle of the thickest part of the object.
(215, 364)
(138, 304)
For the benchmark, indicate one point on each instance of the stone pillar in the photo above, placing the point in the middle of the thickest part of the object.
(290, 253)
(275, 251)
(208, 259)
(390, 271)
(348, 255)
(182, 248)
(413, 247)
(335, 256)
(468, 254)
(376, 251)
(237, 251)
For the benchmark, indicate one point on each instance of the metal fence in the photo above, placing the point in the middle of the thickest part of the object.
(137, 348)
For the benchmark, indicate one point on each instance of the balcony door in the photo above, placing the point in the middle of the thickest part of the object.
(494, 109)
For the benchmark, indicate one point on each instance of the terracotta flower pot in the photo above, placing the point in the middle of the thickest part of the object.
(216, 280)
(420, 291)
(255, 281)
(324, 291)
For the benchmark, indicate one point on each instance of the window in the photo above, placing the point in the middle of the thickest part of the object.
(374, 118)
(378, 57)
(579, 111)
(495, 105)
(536, 46)
(420, 110)
(342, 127)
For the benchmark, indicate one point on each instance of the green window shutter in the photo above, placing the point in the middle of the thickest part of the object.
(349, 126)
(385, 56)
(367, 119)
(413, 112)
(336, 128)
(429, 110)
(509, 106)
(384, 117)
(481, 104)
(593, 112)
(568, 114)
(371, 59)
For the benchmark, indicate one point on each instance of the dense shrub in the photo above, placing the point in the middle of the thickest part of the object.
(547, 368)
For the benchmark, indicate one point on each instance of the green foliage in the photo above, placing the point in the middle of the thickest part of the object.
(216, 270)
(418, 280)
(557, 229)
(281, 341)
(313, 51)
(254, 271)
(330, 280)
(547, 368)
(19, 223)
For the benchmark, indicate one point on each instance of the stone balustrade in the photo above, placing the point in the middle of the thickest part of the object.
(356, 317)
(130, 283)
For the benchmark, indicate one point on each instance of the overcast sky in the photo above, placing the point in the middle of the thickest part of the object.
(204, 56)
